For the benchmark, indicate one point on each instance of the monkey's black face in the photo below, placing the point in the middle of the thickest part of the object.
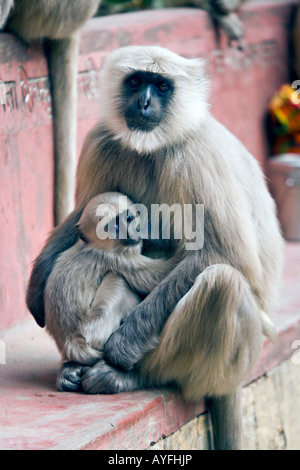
(145, 97)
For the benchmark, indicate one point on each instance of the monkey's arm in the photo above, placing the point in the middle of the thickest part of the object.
(143, 274)
(139, 333)
(63, 237)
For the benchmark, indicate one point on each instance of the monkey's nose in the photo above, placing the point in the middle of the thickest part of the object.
(144, 100)
(143, 104)
(77, 226)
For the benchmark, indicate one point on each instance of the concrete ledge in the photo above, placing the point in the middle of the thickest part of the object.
(35, 416)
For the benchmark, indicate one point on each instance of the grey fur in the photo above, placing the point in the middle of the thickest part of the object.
(202, 326)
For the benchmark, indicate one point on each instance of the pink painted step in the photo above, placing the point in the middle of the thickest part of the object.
(33, 415)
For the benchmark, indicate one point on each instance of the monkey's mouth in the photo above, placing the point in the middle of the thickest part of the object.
(138, 122)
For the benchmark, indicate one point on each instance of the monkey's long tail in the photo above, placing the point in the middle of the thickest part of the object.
(225, 413)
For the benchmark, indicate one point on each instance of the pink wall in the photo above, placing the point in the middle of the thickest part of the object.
(242, 84)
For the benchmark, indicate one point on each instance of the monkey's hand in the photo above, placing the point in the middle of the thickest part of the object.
(126, 347)
(141, 330)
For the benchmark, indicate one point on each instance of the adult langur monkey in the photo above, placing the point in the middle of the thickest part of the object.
(59, 22)
(201, 327)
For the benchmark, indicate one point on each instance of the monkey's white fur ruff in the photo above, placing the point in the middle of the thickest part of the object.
(191, 95)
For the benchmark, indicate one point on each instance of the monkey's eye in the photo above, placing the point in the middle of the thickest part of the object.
(134, 82)
(116, 227)
(129, 218)
(163, 86)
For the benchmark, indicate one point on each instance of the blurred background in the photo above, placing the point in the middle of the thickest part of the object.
(253, 62)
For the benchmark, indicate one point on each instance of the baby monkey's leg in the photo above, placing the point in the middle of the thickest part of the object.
(113, 301)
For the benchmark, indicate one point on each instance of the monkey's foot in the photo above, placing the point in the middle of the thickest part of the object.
(69, 377)
(103, 378)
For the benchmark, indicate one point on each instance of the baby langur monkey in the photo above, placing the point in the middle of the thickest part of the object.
(97, 282)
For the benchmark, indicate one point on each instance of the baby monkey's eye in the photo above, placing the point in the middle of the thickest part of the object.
(129, 218)
(116, 226)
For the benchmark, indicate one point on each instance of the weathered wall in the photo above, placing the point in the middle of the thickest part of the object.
(242, 83)
(26, 170)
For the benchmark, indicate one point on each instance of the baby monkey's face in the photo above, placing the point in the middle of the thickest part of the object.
(107, 224)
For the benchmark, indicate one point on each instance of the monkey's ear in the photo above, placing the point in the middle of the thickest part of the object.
(198, 73)
(198, 67)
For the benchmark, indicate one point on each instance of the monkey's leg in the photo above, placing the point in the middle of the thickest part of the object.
(209, 344)
(5, 7)
(112, 303)
(62, 59)
(61, 238)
